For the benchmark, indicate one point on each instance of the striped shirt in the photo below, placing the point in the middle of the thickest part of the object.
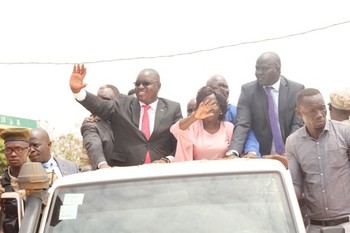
(321, 169)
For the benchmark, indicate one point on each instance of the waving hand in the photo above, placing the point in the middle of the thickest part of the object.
(76, 79)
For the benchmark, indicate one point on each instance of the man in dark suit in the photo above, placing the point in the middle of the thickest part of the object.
(252, 109)
(40, 151)
(98, 138)
(125, 113)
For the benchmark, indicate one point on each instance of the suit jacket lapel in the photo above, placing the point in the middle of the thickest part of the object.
(135, 112)
(160, 111)
(135, 117)
(61, 167)
(282, 100)
(263, 96)
(106, 125)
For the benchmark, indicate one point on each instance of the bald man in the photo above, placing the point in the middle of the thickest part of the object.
(252, 108)
(191, 106)
(40, 151)
(130, 118)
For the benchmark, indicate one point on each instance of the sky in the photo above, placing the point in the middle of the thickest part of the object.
(186, 41)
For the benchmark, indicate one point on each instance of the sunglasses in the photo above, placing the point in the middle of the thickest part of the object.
(145, 83)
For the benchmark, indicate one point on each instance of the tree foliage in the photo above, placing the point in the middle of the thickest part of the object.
(3, 162)
(68, 146)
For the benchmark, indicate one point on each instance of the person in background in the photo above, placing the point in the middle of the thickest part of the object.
(191, 106)
(98, 138)
(40, 151)
(131, 92)
(319, 163)
(251, 145)
(339, 106)
(204, 134)
(140, 125)
(16, 150)
(267, 106)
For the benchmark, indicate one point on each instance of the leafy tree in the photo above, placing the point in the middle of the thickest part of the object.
(3, 162)
(69, 147)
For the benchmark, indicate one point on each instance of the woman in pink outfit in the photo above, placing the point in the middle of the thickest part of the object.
(204, 134)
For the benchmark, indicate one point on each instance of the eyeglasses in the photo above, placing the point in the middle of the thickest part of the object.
(18, 150)
(145, 83)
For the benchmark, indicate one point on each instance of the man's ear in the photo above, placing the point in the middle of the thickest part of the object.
(279, 70)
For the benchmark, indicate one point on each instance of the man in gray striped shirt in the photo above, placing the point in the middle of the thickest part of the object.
(318, 159)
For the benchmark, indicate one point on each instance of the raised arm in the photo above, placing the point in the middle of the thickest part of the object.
(76, 81)
(203, 111)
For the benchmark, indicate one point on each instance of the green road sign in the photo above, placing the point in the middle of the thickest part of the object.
(9, 121)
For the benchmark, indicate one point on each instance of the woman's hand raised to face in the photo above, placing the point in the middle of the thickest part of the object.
(76, 79)
(205, 109)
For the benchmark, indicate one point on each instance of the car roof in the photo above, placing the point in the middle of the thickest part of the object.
(163, 170)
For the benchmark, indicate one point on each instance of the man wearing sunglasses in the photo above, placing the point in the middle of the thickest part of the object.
(136, 142)
(16, 150)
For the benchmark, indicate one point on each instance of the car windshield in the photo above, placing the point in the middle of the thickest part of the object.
(243, 203)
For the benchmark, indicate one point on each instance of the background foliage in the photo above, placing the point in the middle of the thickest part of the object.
(3, 163)
(68, 146)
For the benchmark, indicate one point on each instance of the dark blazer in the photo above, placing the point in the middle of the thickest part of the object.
(130, 145)
(252, 112)
(98, 141)
(66, 167)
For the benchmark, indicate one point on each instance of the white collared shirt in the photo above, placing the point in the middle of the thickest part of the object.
(275, 92)
(52, 165)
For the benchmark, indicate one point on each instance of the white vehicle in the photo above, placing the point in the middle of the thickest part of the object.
(239, 195)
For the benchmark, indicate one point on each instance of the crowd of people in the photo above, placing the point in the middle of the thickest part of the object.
(275, 118)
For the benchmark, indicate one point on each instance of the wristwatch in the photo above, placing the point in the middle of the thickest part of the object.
(232, 152)
(252, 152)
(166, 160)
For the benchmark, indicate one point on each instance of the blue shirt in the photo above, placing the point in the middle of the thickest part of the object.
(251, 143)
